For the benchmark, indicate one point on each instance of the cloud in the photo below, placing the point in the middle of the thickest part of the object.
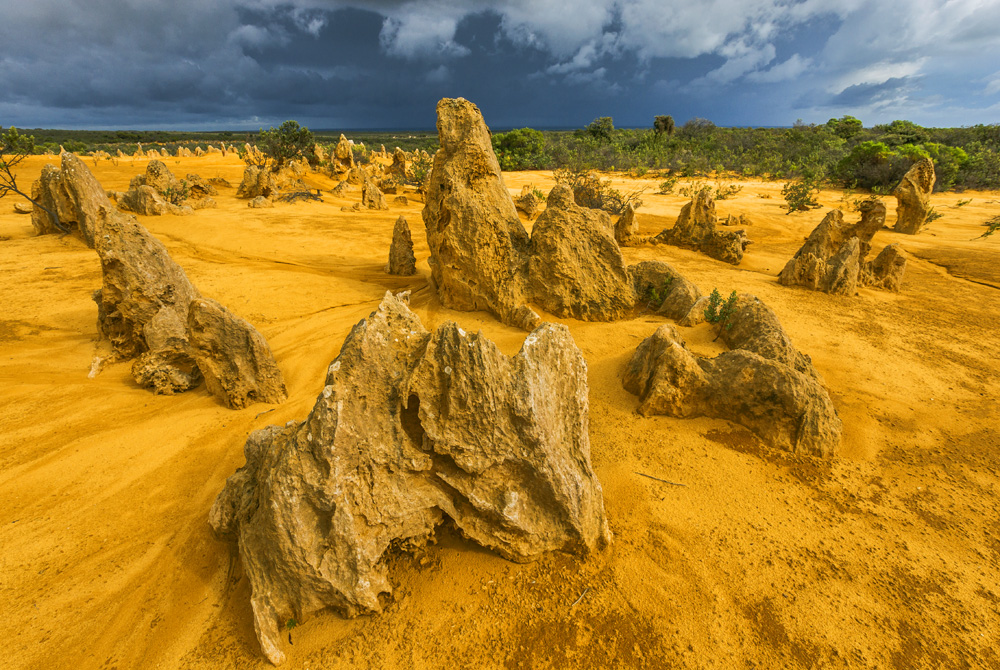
(787, 70)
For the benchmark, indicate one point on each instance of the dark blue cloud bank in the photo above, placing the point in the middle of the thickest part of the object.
(542, 63)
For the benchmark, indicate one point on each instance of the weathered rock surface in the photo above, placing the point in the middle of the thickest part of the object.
(201, 188)
(398, 168)
(233, 357)
(914, 196)
(256, 182)
(400, 200)
(396, 442)
(401, 258)
(528, 202)
(74, 194)
(695, 229)
(478, 246)
(661, 286)
(260, 202)
(626, 227)
(23, 208)
(144, 200)
(371, 196)
(341, 189)
(762, 383)
(143, 304)
(342, 159)
(576, 268)
(833, 258)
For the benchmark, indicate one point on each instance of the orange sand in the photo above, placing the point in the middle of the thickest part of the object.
(886, 557)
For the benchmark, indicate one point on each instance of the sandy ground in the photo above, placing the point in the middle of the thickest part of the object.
(886, 557)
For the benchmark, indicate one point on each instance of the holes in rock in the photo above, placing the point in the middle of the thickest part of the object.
(410, 420)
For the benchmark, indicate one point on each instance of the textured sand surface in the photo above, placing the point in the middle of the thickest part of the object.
(886, 557)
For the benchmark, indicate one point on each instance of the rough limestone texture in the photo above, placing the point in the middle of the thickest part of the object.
(576, 268)
(144, 200)
(74, 194)
(256, 182)
(478, 246)
(398, 168)
(528, 202)
(412, 428)
(627, 226)
(371, 196)
(695, 229)
(23, 208)
(913, 196)
(342, 159)
(759, 384)
(341, 189)
(660, 286)
(233, 357)
(142, 307)
(834, 256)
(401, 259)
(260, 202)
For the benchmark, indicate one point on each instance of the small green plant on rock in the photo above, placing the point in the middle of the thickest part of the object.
(655, 295)
(667, 187)
(992, 226)
(719, 312)
(177, 195)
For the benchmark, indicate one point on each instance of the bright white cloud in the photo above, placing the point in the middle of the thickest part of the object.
(784, 71)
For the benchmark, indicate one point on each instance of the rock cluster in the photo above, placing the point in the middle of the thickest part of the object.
(257, 182)
(74, 195)
(695, 229)
(833, 258)
(412, 428)
(481, 256)
(528, 202)
(342, 159)
(401, 259)
(149, 310)
(158, 191)
(371, 196)
(913, 195)
(762, 383)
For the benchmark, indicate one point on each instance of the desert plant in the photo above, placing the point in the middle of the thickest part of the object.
(14, 147)
(667, 187)
(800, 195)
(175, 195)
(963, 203)
(655, 295)
(591, 191)
(719, 312)
(932, 215)
(521, 149)
(992, 226)
(725, 192)
(601, 128)
(538, 193)
(419, 170)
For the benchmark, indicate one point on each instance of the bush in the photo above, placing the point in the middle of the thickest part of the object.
(663, 125)
(419, 170)
(800, 195)
(591, 191)
(522, 149)
(279, 145)
(718, 312)
(601, 129)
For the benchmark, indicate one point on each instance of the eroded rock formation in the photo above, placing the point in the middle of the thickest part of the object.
(528, 202)
(833, 258)
(576, 268)
(396, 443)
(74, 194)
(663, 288)
(233, 357)
(478, 246)
(371, 196)
(762, 383)
(695, 229)
(342, 159)
(256, 182)
(913, 195)
(626, 227)
(401, 259)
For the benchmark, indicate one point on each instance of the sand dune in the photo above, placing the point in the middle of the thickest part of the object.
(888, 556)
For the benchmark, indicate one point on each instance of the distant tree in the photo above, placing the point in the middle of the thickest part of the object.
(663, 124)
(277, 146)
(14, 147)
(845, 127)
(601, 128)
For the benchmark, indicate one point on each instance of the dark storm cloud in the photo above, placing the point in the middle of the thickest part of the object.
(385, 63)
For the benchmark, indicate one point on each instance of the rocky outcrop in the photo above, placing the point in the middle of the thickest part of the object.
(401, 259)
(401, 200)
(393, 446)
(576, 268)
(371, 196)
(260, 202)
(914, 196)
(528, 202)
(201, 188)
(143, 304)
(256, 182)
(478, 246)
(144, 200)
(158, 176)
(233, 357)
(695, 229)
(342, 159)
(834, 256)
(398, 168)
(762, 383)
(661, 287)
(74, 194)
(626, 227)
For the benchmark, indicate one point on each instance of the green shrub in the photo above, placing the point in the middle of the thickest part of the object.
(719, 312)
(800, 195)
(521, 149)
(591, 191)
(280, 145)
(601, 129)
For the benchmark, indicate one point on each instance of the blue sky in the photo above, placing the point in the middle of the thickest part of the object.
(384, 63)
